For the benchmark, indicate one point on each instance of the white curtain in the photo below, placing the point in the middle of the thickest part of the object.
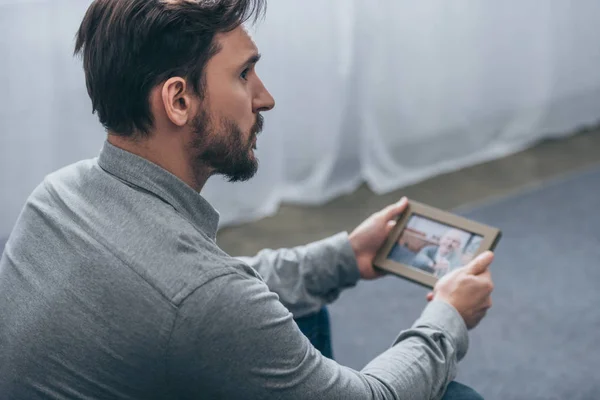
(384, 91)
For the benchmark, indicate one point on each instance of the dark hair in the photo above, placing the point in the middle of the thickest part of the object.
(130, 46)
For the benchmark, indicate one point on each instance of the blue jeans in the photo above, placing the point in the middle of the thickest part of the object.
(316, 327)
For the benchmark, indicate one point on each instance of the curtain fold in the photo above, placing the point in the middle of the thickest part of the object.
(384, 92)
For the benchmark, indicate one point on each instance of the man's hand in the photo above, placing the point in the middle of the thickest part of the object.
(468, 289)
(369, 236)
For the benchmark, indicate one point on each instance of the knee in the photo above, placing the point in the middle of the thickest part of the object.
(458, 391)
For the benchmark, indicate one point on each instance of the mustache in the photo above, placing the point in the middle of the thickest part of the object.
(258, 125)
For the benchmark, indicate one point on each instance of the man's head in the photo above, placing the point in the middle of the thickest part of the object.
(177, 78)
(450, 242)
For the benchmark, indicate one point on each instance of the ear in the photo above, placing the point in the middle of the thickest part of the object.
(177, 101)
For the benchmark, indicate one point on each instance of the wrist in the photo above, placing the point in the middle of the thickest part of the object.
(443, 315)
(353, 244)
(355, 249)
(347, 258)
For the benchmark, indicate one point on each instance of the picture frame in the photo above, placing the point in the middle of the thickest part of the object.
(427, 243)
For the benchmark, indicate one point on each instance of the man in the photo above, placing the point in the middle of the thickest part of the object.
(441, 259)
(112, 285)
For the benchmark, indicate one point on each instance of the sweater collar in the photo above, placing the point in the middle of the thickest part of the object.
(142, 173)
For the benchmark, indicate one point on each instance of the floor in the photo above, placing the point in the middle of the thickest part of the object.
(538, 342)
(296, 225)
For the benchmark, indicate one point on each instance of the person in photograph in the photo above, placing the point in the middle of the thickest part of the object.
(440, 259)
(400, 253)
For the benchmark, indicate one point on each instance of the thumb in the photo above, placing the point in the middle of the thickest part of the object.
(393, 211)
(389, 226)
(481, 263)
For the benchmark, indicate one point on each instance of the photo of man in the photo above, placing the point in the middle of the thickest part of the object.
(433, 247)
(438, 260)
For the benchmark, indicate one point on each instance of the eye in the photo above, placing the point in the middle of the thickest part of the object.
(244, 74)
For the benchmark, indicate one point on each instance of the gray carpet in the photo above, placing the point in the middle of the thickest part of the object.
(539, 339)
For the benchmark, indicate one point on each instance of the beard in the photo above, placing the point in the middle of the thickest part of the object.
(224, 151)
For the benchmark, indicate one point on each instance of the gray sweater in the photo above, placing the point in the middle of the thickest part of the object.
(112, 287)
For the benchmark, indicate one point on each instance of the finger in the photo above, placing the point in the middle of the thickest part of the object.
(390, 225)
(488, 303)
(392, 211)
(485, 276)
(480, 264)
(429, 296)
(481, 315)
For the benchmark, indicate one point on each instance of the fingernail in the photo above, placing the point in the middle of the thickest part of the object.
(402, 201)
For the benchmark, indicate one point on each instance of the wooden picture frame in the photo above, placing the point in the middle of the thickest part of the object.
(439, 237)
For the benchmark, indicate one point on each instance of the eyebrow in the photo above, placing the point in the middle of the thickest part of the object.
(253, 59)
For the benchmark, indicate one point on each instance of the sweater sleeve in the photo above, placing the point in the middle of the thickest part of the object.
(308, 277)
(233, 338)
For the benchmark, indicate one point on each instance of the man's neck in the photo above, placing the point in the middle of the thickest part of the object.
(167, 155)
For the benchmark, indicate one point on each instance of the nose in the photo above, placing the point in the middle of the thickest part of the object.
(263, 101)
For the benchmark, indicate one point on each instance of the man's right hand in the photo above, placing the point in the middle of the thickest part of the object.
(468, 289)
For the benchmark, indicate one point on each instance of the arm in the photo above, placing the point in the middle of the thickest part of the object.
(234, 339)
(424, 258)
(308, 277)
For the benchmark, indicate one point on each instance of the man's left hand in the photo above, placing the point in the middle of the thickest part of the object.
(369, 236)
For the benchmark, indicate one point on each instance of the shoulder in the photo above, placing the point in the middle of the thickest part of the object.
(123, 226)
(430, 249)
(188, 260)
(427, 249)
